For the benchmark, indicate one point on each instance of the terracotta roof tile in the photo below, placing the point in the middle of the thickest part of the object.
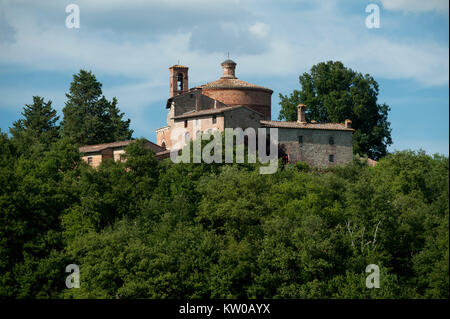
(213, 111)
(315, 126)
(233, 83)
(100, 147)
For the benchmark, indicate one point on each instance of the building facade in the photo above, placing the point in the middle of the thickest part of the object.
(233, 103)
(94, 155)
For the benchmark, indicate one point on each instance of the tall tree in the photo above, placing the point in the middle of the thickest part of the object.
(333, 93)
(38, 128)
(89, 118)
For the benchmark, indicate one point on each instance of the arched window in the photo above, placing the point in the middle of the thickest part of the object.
(180, 82)
(187, 137)
(163, 145)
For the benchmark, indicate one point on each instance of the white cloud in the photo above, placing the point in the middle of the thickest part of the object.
(416, 5)
(259, 29)
(299, 39)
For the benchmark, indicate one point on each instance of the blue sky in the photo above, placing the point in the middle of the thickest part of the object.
(130, 44)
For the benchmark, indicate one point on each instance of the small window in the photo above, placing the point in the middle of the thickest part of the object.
(300, 139)
(214, 119)
(331, 140)
(163, 145)
(192, 95)
(90, 160)
(185, 123)
(331, 158)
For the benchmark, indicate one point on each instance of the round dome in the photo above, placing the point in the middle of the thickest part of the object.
(228, 62)
(232, 91)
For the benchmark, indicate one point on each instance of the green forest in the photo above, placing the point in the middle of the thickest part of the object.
(154, 229)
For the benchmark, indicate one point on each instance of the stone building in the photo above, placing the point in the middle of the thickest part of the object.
(232, 103)
(95, 154)
(227, 102)
(313, 143)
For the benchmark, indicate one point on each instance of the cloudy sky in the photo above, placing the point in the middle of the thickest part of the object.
(130, 44)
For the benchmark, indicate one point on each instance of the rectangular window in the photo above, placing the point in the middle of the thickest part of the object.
(90, 160)
(300, 140)
(331, 158)
(185, 123)
(331, 140)
(214, 119)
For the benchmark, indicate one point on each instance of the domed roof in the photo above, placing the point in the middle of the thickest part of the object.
(178, 66)
(233, 83)
(230, 81)
(228, 62)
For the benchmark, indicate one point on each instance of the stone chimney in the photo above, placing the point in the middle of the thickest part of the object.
(301, 115)
(348, 123)
(228, 67)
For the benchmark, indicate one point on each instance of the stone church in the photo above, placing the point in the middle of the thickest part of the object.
(231, 103)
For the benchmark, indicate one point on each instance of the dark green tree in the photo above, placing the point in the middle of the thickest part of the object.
(37, 128)
(333, 93)
(89, 118)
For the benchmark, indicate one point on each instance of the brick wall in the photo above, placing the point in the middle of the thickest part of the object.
(258, 100)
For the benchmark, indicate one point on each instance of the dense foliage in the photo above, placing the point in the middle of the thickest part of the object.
(155, 229)
(149, 229)
(38, 128)
(334, 93)
(89, 118)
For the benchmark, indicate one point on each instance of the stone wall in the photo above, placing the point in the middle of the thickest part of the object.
(194, 101)
(243, 118)
(316, 149)
(201, 123)
(96, 159)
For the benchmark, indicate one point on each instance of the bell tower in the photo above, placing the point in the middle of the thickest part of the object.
(178, 79)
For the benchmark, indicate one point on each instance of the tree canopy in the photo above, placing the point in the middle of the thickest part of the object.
(334, 93)
(38, 128)
(149, 229)
(144, 228)
(89, 118)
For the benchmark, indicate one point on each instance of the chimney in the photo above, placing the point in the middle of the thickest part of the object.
(348, 123)
(301, 116)
(228, 67)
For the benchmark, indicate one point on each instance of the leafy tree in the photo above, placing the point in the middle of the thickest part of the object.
(33, 196)
(149, 229)
(89, 118)
(7, 151)
(333, 93)
(38, 128)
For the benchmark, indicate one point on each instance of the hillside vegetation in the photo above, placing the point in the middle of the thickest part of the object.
(149, 229)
